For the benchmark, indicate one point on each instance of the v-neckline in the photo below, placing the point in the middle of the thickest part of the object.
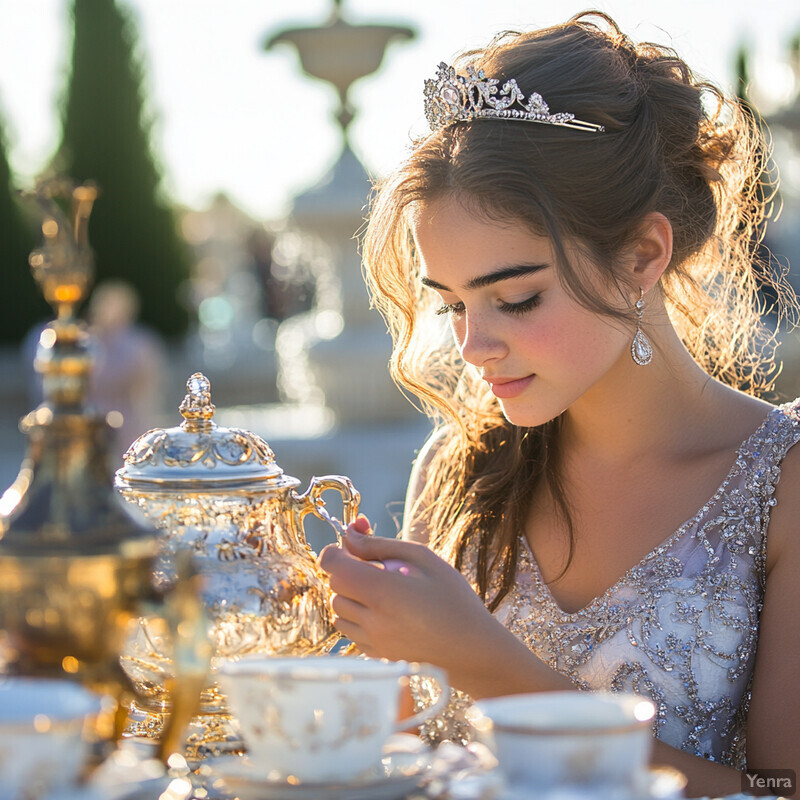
(658, 550)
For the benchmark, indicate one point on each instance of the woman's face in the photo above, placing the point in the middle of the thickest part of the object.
(537, 348)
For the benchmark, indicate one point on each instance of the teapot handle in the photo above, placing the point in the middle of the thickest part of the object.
(311, 501)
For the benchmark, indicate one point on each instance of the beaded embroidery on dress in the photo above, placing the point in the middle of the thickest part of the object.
(681, 626)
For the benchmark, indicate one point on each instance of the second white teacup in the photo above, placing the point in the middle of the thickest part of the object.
(320, 719)
(556, 739)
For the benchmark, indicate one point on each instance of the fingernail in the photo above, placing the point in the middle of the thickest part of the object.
(361, 524)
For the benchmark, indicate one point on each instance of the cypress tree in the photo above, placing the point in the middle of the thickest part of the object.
(106, 138)
(23, 304)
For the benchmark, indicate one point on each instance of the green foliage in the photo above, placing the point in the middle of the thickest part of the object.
(106, 138)
(23, 305)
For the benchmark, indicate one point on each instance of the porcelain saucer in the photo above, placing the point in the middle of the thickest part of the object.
(655, 783)
(402, 773)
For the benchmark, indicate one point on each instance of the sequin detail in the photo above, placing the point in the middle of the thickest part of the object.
(681, 626)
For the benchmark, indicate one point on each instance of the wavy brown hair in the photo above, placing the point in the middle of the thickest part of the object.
(672, 144)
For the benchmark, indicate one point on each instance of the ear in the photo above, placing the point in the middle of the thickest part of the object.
(652, 250)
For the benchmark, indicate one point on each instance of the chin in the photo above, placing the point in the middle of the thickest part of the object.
(549, 402)
(529, 417)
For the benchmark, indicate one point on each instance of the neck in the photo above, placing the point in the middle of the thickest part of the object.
(636, 410)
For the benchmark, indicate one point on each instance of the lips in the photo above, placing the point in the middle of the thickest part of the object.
(505, 388)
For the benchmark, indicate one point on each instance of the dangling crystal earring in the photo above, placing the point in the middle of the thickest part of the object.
(641, 349)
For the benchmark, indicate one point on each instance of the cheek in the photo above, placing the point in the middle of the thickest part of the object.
(555, 338)
(578, 341)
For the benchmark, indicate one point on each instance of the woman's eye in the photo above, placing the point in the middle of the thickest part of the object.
(450, 308)
(522, 307)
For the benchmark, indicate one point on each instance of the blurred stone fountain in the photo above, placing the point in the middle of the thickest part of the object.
(345, 347)
(343, 412)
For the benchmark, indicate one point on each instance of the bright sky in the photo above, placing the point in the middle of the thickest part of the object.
(232, 117)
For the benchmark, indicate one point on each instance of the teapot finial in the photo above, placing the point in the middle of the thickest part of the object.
(197, 408)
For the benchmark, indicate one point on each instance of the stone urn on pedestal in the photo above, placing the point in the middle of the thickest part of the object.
(348, 363)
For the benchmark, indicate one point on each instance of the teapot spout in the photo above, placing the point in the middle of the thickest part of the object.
(188, 625)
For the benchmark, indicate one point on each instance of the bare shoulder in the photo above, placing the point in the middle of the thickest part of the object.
(726, 419)
(736, 415)
(412, 529)
(709, 430)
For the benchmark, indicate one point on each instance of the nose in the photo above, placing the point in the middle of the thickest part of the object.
(478, 342)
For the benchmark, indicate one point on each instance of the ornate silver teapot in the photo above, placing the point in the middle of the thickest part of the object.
(218, 493)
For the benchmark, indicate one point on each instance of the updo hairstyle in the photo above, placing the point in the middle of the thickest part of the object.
(672, 144)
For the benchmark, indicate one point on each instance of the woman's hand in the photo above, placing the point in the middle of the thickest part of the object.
(398, 600)
(419, 608)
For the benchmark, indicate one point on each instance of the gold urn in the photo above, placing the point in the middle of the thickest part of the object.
(218, 494)
(76, 565)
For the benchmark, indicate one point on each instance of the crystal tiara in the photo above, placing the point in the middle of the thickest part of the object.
(461, 98)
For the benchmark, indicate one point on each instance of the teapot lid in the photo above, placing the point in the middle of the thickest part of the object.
(199, 454)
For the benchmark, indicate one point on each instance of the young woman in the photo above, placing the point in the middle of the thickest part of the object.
(605, 503)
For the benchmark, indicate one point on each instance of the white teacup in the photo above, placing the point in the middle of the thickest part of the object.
(320, 719)
(42, 734)
(550, 739)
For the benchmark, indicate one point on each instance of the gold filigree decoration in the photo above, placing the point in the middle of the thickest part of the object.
(199, 440)
(313, 731)
(233, 448)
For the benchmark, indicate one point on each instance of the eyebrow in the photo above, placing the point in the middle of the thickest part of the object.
(502, 274)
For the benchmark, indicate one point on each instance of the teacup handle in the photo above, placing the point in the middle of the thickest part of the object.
(440, 676)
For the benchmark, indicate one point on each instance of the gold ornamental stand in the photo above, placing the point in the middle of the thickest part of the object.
(75, 565)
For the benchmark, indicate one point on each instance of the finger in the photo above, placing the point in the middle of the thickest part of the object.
(333, 557)
(349, 610)
(329, 557)
(349, 575)
(380, 548)
(361, 524)
(355, 634)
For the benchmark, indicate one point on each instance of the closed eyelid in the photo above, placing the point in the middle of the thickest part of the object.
(522, 306)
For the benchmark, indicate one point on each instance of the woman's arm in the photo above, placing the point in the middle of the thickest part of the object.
(432, 614)
(414, 528)
(773, 725)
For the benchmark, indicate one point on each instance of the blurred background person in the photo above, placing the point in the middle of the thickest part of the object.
(129, 369)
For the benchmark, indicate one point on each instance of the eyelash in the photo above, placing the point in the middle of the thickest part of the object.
(450, 308)
(507, 308)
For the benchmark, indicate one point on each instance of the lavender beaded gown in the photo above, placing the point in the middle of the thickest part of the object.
(680, 627)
